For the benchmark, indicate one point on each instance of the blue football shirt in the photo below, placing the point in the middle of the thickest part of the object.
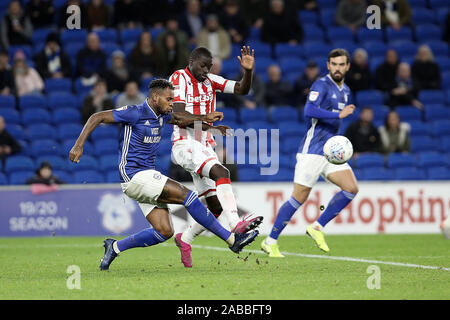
(324, 94)
(140, 138)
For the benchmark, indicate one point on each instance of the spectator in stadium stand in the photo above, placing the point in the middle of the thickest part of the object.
(44, 175)
(394, 13)
(8, 145)
(278, 91)
(99, 15)
(131, 95)
(255, 97)
(97, 100)
(446, 34)
(40, 12)
(254, 11)
(306, 4)
(64, 16)
(192, 20)
(215, 7)
(358, 77)
(181, 36)
(363, 134)
(233, 21)
(305, 81)
(144, 57)
(128, 14)
(386, 72)
(425, 72)
(52, 61)
(351, 14)
(404, 93)
(91, 60)
(394, 134)
(27, 79)
(281, 25)
(15, 28)
(7, 85)
(215, 38)
(118, 74)
(172, 55)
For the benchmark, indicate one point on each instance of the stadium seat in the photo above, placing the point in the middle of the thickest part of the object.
(8, 102)
(16, 130)
(339, 34)
(286, 50)
(63, 175)
(229, 114)
(56, 85)
(350, 46)
(262, 49)
(112, 176)
(377, 174)
(404, 48)
(40, 35)
(436, 112)
(88, 176)
(10, 116)
(399, 160)
(17, 163)
(80, 88)
(284, 113)
(423, 16)
(107, 35)
(419, 128)
(375, 48)
(364, 35)
(26, 49)
(313, 33)
(109, 162)
(439, 48)
(44, 147)
(445, 83)
(417, 4)
(369, 160)
(258, 114)
(315, 48)
(37, 115)
(263, 64)
(87, 163)
(20, 177)
(326, 18)
(308, 16)
(443, 62)
(438, 173)
(32, 101)
(404, 33)
(106, 146)
(3, 179)
(409, 113)
(69, 131)
(292, 129)
(438, 4)
(441, 128)
(105, 132)
(431, 159)
(130, 35)
(66, 115)
(424, 143)
(369, 97)
(75, 35)
(292, 65)
(431, 97)
(69, 143)
(290, 145)
(72, 49)
(62, 100)
(428, 32)
(57, 162)
(41, 131)
(409, 173)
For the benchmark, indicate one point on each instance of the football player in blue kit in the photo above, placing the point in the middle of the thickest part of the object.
(326, 106)
(139, 141)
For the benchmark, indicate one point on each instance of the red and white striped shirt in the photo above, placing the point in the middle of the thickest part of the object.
(199, 98)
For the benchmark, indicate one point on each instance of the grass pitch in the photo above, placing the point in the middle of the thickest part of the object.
(411, 267)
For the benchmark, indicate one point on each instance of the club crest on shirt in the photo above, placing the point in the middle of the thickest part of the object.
(122, 108)
(161, 121)
(313, 95)
(206, 82)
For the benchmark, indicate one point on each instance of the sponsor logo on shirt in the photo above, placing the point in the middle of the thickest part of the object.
(200, 98)
(156, 139)
(313, 95)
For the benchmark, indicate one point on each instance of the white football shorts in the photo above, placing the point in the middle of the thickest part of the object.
(197, 159)
(145, 187)
(310, 167)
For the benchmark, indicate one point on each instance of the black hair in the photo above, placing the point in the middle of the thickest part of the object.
(199, 52)
(339, 52)
(160, 84)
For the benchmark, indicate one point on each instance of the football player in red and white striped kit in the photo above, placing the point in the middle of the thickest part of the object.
(195, 92)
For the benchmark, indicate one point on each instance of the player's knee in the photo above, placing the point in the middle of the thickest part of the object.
(352, 189)
(166, 231)
(219, 172)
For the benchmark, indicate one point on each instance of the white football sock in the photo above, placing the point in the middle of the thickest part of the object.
(228, 202)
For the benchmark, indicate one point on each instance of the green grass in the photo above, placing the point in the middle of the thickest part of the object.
(35, 268)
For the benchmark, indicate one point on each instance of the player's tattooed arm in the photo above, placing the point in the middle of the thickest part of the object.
(184, 118)
(94, 120)
(247, 61)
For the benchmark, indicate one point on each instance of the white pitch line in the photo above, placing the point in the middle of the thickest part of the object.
(316, 256)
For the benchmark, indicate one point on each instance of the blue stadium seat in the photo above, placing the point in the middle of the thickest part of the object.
(80, 88)
(369, 97)
(258, 114)
(431, 159)
(69, 143)
(263, 64)
(424, 143)
(262, 49)
(431, 97)
(7, 102)
(109, 48)
(292, 129)
(27, 51)
(130, 35)
(409, 173)
(380, 112)
(69, 131)
(32, 101)
(419, 128)
(286, 50)
(339, 33)
(87, 162)
(75, 35)
(106, 146)
(56, 85)
(112, 176)
(314, 48)
(72, 49)
(438, 4)
(292, 65)
(290, 145)
(399, 160)
(363, 35)
(441, 16)
(409, 113)
(313, 33)
(62, 100)
(17, 163)
(428, 32)
(436, 112)
(105, 132)
(350, 46)
(107, 35)
(445, 83)
(31, 116)
(404, 48)
(422, 16)
(404, 33)
(16, 130)
(439, 48)
(57, 162)
(308, 16)
(375, 48)
(229, 114)
(3, 179)
(441, 128)
(88, 176)
(326, 4)
(44, 147)
(40, 35)
(20, 177)
(369, 160)
(377, 174)
(63, 176)
(109, 162)
(326, 17)
(443, 62)
(40, 131)
(11, 116)
(417, 3)
(438, 173)
(230, 68)
(283, 114)
(66, 115)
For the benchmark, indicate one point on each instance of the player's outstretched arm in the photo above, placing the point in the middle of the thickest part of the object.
(184, 118)
(247, 61)
(94, 120)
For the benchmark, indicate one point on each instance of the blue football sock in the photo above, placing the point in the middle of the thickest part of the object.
(285, 214)
(203, 216)
(337, 203)
(145, 238)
